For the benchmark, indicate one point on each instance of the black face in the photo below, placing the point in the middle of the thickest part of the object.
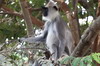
(45, 11)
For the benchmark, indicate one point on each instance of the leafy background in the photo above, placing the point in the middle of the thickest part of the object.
(14, 53)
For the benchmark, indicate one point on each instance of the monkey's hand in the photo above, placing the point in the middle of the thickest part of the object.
(22, 39)
(32, 39)
(29, 40)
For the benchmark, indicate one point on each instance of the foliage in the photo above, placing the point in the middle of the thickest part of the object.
(8, 30)
(82, 61)
(96, 57)
(14, 26)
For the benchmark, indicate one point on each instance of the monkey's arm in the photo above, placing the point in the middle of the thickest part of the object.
(40, 38)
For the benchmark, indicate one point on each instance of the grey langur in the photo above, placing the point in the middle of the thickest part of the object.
(56, 34)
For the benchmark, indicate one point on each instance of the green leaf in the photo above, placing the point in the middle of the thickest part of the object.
(66, 60)
(82, 62)
(96, 57)
(88, 60)
(76, 61)
(16, 0)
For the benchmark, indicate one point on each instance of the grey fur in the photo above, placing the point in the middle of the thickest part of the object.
(56, 35)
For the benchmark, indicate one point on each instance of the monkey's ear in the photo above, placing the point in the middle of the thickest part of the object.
(55, 7)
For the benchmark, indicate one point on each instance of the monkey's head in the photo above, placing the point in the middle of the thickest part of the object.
(50, 11)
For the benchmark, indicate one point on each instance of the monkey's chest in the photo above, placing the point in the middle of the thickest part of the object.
(51, 37)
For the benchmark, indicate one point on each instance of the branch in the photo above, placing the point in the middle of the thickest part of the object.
(11, 12)
(35, 9)
(21, 49)
(15, 14)
(27, 17)
(73, 23)
(84, 4)
(87, 37)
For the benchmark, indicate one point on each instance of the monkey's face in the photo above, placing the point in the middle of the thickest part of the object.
(50, 13)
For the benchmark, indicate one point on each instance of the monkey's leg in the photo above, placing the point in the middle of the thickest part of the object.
(61, 49)
(53, 50)
(67, 50)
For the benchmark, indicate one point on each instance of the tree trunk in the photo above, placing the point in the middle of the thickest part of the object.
(96, 44)
(29, 26)
(87, 37)
(74, 27)
(27, 17)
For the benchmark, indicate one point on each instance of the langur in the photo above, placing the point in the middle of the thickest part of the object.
(56, 34)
